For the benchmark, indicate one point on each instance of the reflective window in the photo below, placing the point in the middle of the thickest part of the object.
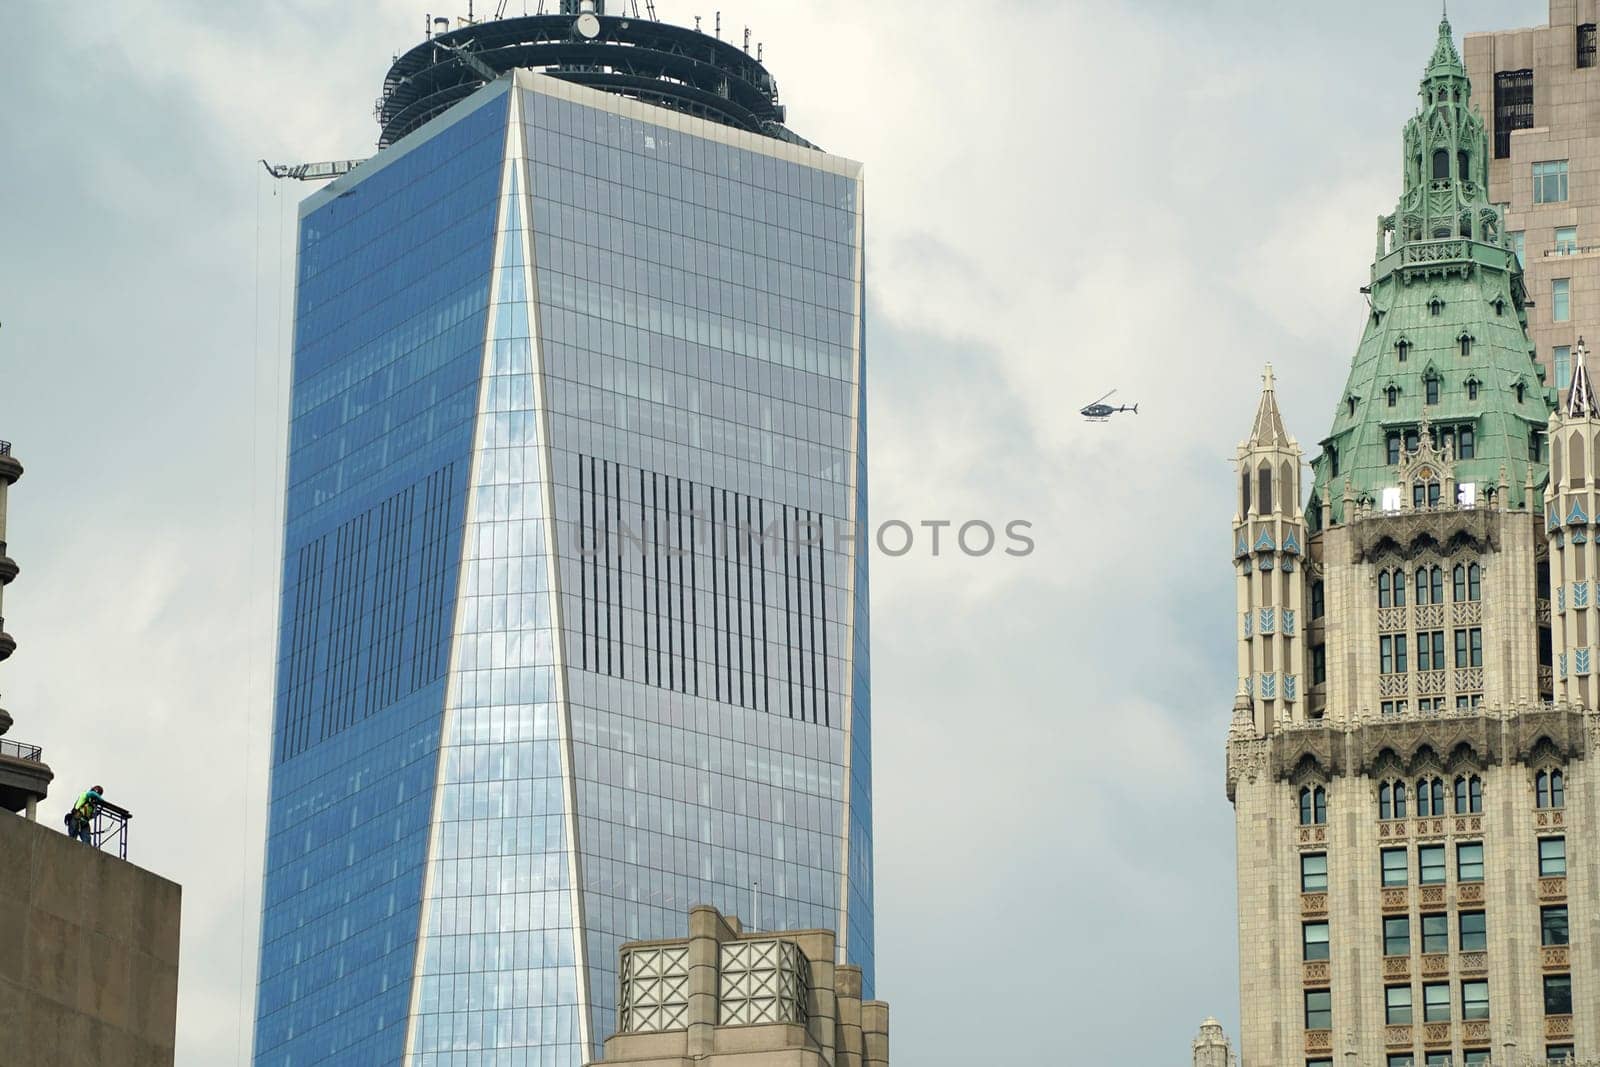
(1472, 932)
(1552, 857)
(1319, 1009)
(1435, 934)
(1553, 925)
(1558, 994)
(1315, 941)
(1397, 1004)
(1396, 935)
(1313, 872)
(1550, 182)
(1550, 789)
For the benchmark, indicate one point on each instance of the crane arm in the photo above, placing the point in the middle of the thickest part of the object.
(312, 172)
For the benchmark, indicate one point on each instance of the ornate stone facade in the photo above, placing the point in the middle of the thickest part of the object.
(744, 999)
(1409, 752)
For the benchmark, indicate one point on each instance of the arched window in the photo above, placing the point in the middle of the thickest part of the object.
(1286, 483)
(1550, 789)
(1472, 389)
(1317, 603)
(1461, 165)
(1430, 585)
(1466, 344)
(1430, 796)
(1436, 306)
(1430, 387)
(1575, 465)
(1441, 164)
(1264, 490)
(1518, 389)
(1244, 493)
(1399, 800)
(1383, 589)
(1401, 348)
(1474, 582)
(1469, 794)
(1333, 459)
(1393, 393)
(1313, 806)
(1399, 588)
(1385, 801)
(1458, 582)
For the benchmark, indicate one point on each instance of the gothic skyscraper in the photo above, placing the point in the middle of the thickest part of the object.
(1409, 758)
(573, 633)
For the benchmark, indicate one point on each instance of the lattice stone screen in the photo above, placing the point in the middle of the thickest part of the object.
(654, 994)
(764, 982)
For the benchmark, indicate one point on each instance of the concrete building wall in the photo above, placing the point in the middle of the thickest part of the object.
(1566, 125)
(88, 954)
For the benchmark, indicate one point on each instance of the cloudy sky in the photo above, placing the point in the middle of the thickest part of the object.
(1063, 198)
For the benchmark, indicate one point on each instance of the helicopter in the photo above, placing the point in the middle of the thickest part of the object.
(1100, 411)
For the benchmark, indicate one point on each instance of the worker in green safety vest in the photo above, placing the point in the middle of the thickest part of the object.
(81, 818)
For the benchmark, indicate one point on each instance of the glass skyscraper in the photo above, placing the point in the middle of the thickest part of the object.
(573, 631)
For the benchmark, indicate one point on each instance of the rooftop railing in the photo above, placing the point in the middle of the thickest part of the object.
(5, 448)
(18, 750)
(110, 828)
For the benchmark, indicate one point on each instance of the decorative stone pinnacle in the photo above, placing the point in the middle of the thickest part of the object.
(1580, 400)
(1268, 431)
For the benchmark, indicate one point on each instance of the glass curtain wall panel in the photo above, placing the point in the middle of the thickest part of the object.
(392, 293)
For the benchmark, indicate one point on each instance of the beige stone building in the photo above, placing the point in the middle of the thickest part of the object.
(1539, 89)
(1410, 752)
(725, 997)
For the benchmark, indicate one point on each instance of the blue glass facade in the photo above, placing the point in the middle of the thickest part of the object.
(639, 447)
(391, 303)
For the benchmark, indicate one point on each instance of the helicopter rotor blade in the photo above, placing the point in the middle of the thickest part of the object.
(1092, 403)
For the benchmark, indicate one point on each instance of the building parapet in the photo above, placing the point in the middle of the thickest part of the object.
(724, 994)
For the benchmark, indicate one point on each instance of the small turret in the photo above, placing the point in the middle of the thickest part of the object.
(1269, 538)
(1211, 1047)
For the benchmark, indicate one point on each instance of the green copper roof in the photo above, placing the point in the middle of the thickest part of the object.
(1446, 61)
(1446, 306)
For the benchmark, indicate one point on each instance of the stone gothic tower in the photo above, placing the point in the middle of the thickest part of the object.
(1570, 502)
(1269, 536)
(1408, 762)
